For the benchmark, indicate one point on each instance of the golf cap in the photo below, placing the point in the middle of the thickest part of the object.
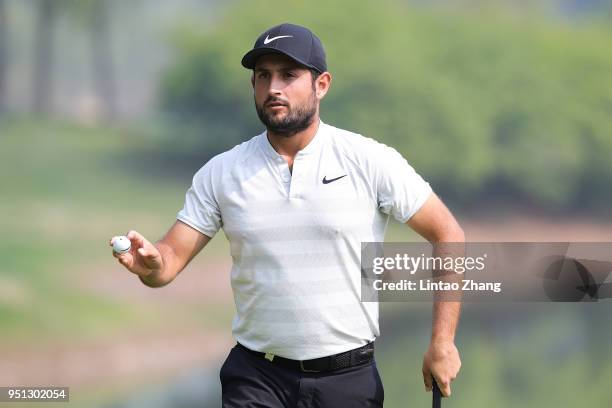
(294, 41)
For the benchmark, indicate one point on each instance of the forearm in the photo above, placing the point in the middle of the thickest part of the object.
(445, 320)
(447, 306)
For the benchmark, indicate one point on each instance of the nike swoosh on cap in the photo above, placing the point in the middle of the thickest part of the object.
(269, 40)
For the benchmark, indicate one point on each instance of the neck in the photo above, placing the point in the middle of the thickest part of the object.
(288, 146)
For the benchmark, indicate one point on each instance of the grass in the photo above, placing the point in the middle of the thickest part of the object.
(67, 189)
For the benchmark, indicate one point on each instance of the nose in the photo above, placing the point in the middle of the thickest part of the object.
(276, 85)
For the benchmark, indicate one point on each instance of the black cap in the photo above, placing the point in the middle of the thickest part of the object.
(294, 41)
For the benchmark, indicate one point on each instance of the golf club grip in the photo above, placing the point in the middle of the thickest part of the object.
(437, 395)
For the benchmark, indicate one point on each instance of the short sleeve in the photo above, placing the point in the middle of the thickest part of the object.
(401, 191)
(201, 210)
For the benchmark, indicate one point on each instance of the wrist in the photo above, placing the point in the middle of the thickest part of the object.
(442, 339)
(152, 279)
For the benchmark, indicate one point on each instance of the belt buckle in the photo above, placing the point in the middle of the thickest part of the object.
(305, 370)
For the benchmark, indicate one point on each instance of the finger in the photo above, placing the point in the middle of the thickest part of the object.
(136, 238)
(427, 379)
(148, 247)
(148, 251)
(126, 259)
(145, 253)
(151, 259)
(445, 388)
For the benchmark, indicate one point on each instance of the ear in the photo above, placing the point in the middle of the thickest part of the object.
(253, 80)
(322, 84)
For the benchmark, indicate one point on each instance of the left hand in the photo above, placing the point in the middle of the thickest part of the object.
(442, 362)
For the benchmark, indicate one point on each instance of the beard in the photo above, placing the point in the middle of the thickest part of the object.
(294, 121)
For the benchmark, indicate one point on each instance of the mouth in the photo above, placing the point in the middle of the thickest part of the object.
(276, 105)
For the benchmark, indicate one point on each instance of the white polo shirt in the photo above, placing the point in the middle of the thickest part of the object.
(295, 237)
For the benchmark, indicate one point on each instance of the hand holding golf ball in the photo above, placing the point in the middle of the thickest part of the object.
(136, 253)
(121, 244)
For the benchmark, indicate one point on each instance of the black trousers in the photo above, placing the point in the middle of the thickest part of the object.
(249, 381)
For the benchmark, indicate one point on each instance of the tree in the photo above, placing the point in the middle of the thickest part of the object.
(102, 57)
(93, 16)
(3, 54)
(485, 106)
(42, 80)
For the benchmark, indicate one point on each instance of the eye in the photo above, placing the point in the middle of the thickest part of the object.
(289, 74)
(262, 75)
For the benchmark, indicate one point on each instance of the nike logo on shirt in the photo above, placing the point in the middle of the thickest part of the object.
(269, 40)
(326, 181)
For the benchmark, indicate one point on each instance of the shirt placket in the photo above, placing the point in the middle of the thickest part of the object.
(285, 174)
(296, 185)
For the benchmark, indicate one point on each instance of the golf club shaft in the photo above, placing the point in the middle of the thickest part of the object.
(437, 395)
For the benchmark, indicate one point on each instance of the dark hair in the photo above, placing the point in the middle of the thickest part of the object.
(315, 74)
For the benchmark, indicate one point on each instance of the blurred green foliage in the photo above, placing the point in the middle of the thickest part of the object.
(486, 106)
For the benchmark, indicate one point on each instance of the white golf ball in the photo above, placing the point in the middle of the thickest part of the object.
(121, 244)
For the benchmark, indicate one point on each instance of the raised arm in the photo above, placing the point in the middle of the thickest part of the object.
(158, 264)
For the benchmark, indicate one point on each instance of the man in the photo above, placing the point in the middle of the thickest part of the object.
(295, 203)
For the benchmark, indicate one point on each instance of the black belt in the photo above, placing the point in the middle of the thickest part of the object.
(358, 356)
